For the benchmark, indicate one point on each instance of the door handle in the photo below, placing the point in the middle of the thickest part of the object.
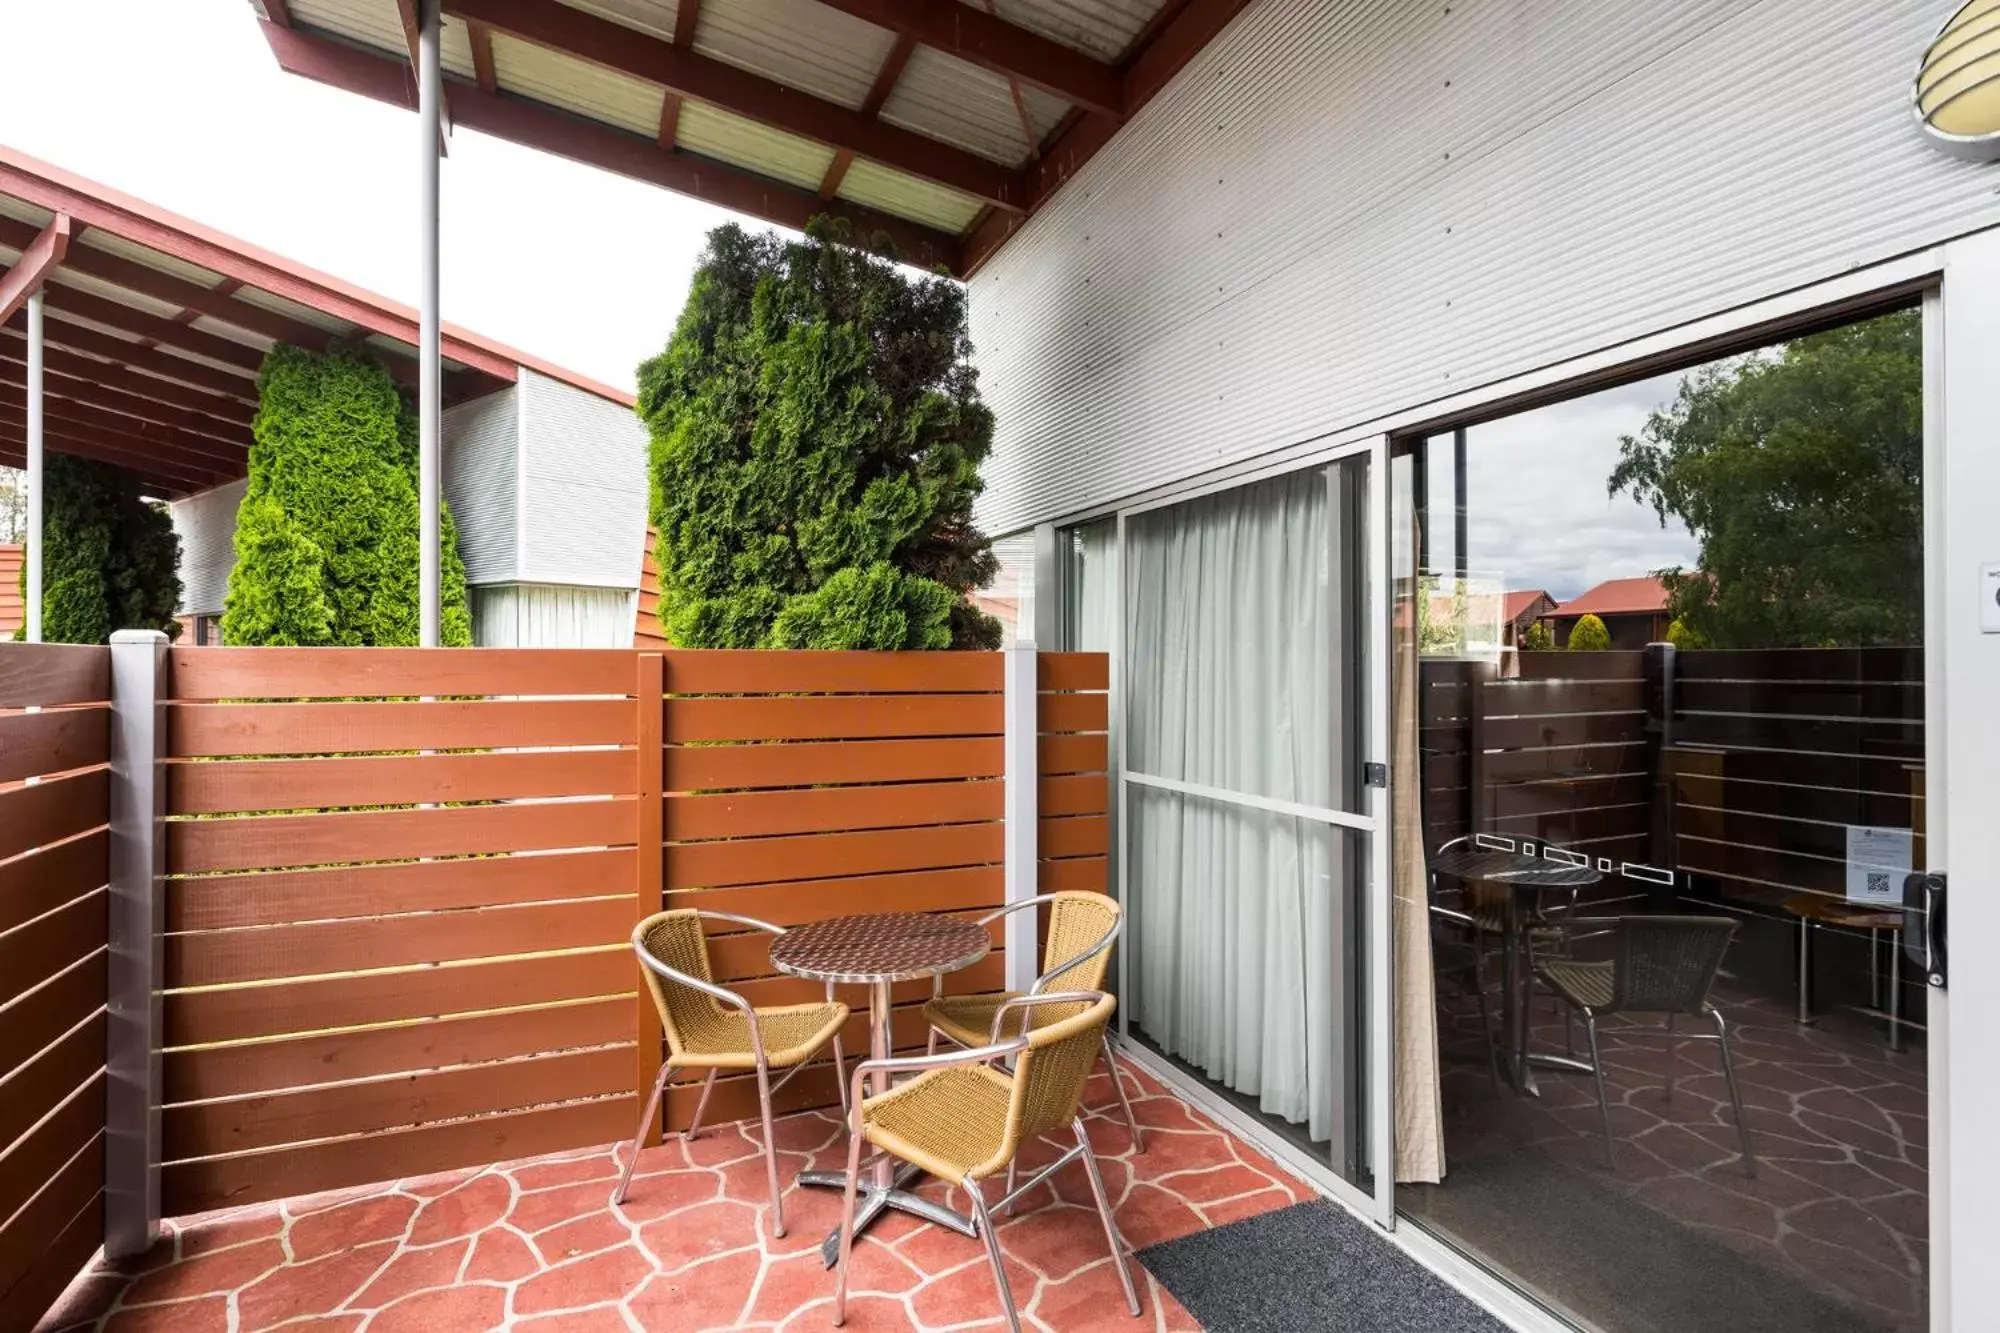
(1924, 924)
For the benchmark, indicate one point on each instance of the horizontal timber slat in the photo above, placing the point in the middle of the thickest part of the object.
(47, 674)
(215, 902)
(772, 860)
(46, 812)
(1073, 671)
(727, 671)
(207, 1072)
(74, 1186)
(45, 879)
(339, 673)
(378, 835)
(28, 1299)
(266, 953)
(37, 1018)
(1077, 794)
(290, 784)
(53, 741)
(197, 1017)
(833, 717)
(47, 1081)
(276, 1173)
(794, 904)
(1073, 754)
(49, 944)
(831, 809)
(811, 763)
(202, 730)
(69, 1128)
(210, 1129)
(1076, 835)
(1073, 712)
(1082, 874)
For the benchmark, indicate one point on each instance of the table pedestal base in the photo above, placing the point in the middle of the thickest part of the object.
(872, 1199)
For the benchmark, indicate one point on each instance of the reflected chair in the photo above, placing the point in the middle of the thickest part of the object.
(963, 1119)
(713, 1028)
(1082, 929)
(1662, 965)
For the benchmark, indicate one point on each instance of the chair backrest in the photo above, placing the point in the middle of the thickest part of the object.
(1666, 964)
(677, 940)
(1078, 923)
(1049, 1075)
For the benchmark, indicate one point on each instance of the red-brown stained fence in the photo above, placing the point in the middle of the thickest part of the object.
(53, 953)
(401, 885)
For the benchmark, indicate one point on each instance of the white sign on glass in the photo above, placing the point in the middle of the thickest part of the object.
(1878, 859)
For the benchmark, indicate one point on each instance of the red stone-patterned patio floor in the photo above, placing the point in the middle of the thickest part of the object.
(536, 1245)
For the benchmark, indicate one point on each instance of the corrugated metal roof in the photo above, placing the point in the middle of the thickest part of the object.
(111, 291)
(264, 300)
(746, 143)
(800, 44)
(113, 244)
(378, 23)
(577, 86)
(875, 186)
(1101, 28)
(655, 18)
(223, 329)
(968, 107)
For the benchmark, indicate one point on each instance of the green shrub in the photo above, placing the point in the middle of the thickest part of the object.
(110, 560)
(1588, 635)
(1538, 639)
(816, 437)
(327, 540)
(1680, 635)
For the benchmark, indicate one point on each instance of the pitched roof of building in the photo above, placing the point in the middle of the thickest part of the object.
(1619, 597)
(1521, 601)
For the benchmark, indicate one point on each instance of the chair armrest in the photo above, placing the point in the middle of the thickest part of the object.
(711, 990)
(765, 926)
(1030, 1000)
(907, 1064)
(1010, 908)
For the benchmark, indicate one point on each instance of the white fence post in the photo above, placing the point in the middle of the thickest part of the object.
(1022, 814)
(134, 1031)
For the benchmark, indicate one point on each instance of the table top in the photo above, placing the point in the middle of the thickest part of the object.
(1839, 912)
(1494, 865)
(879, 946)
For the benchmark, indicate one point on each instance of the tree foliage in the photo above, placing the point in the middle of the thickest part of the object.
(816, 438)
(1588, 635)
(1799, 472)
(327, 542)
(110, 558)
(1538, 638)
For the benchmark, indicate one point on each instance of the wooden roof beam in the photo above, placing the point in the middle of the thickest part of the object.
(170, 478)
(626, 51)
(80, 389)
(995, 44)
(66, 434)
(878, 94)
(131, 432)
(641, 159)
(39, 258)
(149, 387)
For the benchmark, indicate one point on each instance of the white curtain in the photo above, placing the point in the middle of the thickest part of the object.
(1229, 637)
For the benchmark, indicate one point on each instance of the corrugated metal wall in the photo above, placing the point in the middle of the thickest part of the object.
(1344, 209)
(583, 480)
(481, 481)
(207, 527)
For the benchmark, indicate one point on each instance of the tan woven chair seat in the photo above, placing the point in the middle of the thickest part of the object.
(1585, 984)
(968, 1019)
(951, 1122)
(720, 1038)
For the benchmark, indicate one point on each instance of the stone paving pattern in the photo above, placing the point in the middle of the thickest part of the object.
(536, 1246)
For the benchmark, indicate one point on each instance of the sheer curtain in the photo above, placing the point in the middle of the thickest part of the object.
(1228, 642)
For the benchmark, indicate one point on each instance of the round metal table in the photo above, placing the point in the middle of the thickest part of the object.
(1523, 877)
(877, 950)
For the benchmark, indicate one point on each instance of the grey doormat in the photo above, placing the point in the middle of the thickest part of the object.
(1309, 1266)
(1611, 1259)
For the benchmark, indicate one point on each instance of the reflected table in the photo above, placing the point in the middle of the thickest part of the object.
(1525, 878)
(879, 949)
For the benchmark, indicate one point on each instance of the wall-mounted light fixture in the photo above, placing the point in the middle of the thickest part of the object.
(1956, 97)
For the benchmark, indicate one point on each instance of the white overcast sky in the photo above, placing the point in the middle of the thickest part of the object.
(180, 103)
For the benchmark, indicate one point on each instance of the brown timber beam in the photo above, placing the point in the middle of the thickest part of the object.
(96, 394)
(995, 44)
(62, 333)
(878, 94)
(39, 258)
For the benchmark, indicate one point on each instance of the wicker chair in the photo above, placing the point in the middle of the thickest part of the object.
(1661, 965)
(1082, 929)
(710, 1027)
(962, 1119)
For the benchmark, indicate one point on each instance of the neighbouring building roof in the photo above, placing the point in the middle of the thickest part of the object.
(942, 124)
(1618, 597)
(11, 612)
(156, 327)
(1526, 602)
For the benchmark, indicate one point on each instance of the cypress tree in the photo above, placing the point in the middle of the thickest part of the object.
(110, 559)
(816, 437)
(327, 536)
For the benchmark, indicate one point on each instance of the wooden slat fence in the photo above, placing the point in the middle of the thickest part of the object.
(1777, 751)
(54, 747)
(400, 887)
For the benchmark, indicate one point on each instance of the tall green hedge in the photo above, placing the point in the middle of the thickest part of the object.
(110, 559)
(327, 539)
(816, 436)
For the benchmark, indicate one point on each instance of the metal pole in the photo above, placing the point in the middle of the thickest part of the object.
(35, 482)
(430, 106)
(1023, 824)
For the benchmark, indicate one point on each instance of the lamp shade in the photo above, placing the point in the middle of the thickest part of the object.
(1957, 93)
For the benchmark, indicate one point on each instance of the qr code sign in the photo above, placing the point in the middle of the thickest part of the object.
(1878, 882)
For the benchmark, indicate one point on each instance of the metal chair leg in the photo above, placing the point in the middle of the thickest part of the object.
(930, 1045)
(984, 1220)
(1131, 1121)
(840, 1075)
(1603, 1101)
(1012, 1204)
(847, 1222)
(770, 1149)
(1735, 1097)
(1104, 1214)
(647, 1119)
(701, 1104)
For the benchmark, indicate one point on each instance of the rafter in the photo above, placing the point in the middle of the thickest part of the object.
(170, 477)
(61, 427)
(600, 146)
(687, 18)
(149, 388)
(1003, 47)
(155, 329)
(481, 38)
(130, 432)
(39, 258)
(879, 92)
(80, 389)
(62, 333)
(626, 51)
